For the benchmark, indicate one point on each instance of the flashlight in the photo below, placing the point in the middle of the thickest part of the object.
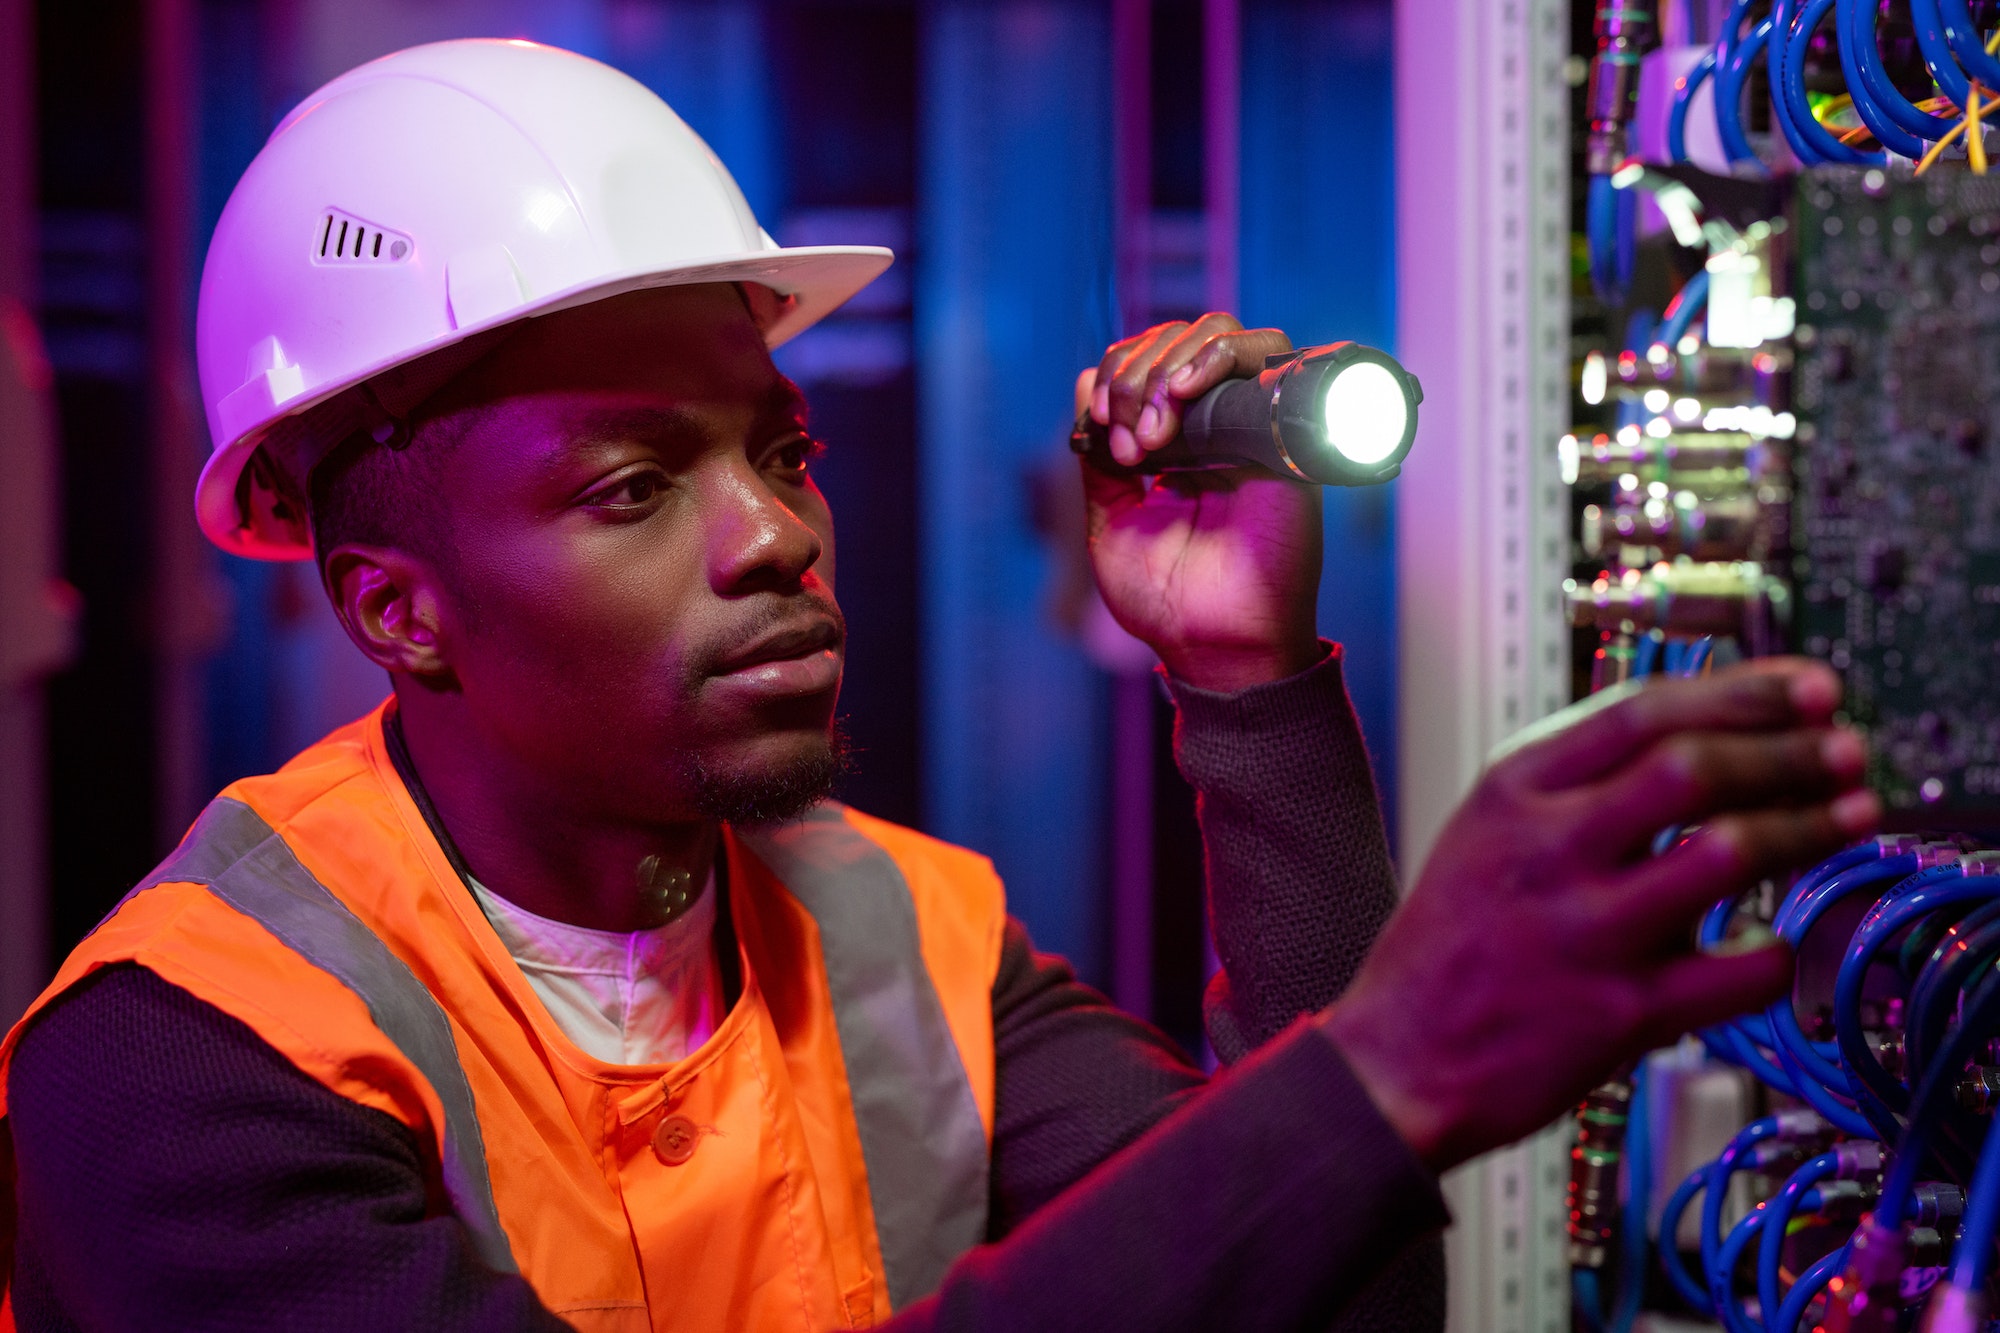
(1337, 415)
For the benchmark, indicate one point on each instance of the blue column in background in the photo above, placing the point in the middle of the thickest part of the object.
(1318, 259)
(1012, 299)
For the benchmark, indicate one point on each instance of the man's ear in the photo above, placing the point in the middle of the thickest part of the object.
(391, 605)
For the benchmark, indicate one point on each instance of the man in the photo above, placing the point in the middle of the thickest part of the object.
(551, 993)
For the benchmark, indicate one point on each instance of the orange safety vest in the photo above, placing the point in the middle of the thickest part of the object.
(818, 1163)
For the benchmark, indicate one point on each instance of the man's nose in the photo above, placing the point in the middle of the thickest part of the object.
(755, 540)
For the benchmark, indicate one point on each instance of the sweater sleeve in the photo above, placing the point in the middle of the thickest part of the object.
(175, 1171)
(1299, 877)
(1300, 883)
(1271, 1201)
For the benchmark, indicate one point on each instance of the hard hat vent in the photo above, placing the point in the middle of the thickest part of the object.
(343, 238)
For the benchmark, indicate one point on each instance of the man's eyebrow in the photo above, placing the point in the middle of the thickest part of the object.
(645, 425)
(780, 403)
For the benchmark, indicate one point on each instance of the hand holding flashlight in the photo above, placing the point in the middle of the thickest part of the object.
(1217, 571)
(1336, 415)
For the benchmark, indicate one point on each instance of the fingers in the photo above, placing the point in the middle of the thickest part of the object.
(1606, 731)
(1703, 989)
(1143, 382)
(1653, 907)
(1086, 381)
(1691, 775)
(1120, 379)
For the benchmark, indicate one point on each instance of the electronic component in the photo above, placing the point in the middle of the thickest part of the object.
(1897, 519)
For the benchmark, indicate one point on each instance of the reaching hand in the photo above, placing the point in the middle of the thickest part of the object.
(1543, 945)
(1217, 572)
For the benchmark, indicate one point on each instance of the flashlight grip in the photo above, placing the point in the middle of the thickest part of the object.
(1227, 427)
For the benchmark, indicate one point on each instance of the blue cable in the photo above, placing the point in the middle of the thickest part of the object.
(1587, 1299)
(1938, 58)
(1800, 911)
(1972, 1257)
(1920, 894)
(1771, 1250)
(1858, 31)
(1694, 1293)
(1687, 303)
(1793, 90)
(1722, 1276)
(1838, 1112)
(1677, 114)
(1717, 1190)
(1810, 1284)
(1893, 137)
(1962, 34)
(1638, 1183)
(1729, 79)
(1601, 233)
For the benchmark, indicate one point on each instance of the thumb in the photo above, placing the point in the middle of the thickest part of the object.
(1085, 383)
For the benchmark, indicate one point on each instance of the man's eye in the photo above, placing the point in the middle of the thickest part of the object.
(794, 455)
(630, 492)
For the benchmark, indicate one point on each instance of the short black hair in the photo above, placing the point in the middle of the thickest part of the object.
(376, 495)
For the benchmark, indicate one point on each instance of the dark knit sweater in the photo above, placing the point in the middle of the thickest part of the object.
(174, 1171)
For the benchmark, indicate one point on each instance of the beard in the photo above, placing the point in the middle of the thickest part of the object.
(773, 795)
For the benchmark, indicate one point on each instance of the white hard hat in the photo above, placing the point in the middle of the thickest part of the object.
(413, 208)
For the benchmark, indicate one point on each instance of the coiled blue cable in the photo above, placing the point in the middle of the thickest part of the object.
(1792, 90)
(1962, 34)
(1693, 1292)
(1893, 136)
(1857, 34)
(1810, 1284)
(1677, 113)
(1722, 1276)
(1680, 316)
(1730, 75)
(1938, 57)
(1716, 1192)
(1771, 1249)
(1972, 1257)
(1922, 893)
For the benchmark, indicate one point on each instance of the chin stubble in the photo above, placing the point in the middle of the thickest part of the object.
(772, 796)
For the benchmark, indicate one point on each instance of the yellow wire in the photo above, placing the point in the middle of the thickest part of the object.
(1975, 137)
(1939, 147)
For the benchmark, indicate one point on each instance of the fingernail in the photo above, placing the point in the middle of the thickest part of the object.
(1123, 447)
(1842, 752)
(1857, 813)
(1100, 404)
(1815, 691)
(1181, 378)
(1149, 421)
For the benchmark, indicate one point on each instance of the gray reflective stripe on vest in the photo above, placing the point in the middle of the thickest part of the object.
(921, 1136)
(243, 861)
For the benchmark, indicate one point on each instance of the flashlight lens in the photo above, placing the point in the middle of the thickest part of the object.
(1366, 413)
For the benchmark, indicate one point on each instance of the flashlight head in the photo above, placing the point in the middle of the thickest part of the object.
(1343, 414)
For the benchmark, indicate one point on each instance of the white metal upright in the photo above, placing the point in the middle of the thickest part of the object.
(1482, 167)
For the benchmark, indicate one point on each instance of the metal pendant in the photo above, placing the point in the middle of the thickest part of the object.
(668, 890)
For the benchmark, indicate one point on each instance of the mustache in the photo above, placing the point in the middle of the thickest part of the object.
(806, 616)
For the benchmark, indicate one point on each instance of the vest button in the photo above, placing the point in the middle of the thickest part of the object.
(674, 1141)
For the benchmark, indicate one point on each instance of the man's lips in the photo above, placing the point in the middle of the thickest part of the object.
(799, 659)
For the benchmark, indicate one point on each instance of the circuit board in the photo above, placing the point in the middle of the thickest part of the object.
(1896, 519)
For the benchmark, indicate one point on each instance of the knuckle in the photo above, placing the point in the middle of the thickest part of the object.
(1687, 768)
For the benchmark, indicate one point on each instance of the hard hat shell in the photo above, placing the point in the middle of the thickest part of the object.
(440, 193)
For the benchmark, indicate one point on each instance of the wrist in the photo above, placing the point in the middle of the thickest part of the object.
(1232, 668)
(1384, 1072)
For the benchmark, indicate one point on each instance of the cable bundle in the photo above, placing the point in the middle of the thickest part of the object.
(1963, 69)
(1895, 1145)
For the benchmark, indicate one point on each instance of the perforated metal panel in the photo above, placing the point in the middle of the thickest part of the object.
(1482, 240)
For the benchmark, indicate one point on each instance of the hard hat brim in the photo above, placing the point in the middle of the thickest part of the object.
(820, 278)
